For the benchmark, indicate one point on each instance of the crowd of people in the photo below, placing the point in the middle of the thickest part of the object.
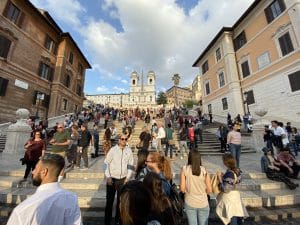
(145, 190)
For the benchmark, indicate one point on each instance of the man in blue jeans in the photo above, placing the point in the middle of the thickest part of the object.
(119, 168)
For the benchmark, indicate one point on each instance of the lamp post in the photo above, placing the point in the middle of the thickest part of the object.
(246, 101)
(121, 99)
(39, 97)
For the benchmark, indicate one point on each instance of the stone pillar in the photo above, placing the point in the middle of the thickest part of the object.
(258, 130)
(18, 133)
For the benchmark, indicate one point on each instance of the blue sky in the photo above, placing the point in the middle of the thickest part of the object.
(120, 36)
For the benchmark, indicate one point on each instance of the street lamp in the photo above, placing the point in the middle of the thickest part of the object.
(39, 98)
(246, 101)
(121, 99)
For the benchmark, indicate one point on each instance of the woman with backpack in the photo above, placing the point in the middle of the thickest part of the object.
(230, 208)
(161, 207)
(160, 165)
(195, 184)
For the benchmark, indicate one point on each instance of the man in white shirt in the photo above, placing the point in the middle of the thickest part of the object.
(160, 135)
(119, 161)
(50, 204)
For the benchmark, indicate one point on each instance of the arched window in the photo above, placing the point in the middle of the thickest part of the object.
(150, 81)
(133, 82)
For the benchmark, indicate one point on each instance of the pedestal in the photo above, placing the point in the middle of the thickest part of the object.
(258, 129)
(18, 133)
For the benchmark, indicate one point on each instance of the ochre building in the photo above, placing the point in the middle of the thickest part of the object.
(41, 67)
(255, 64)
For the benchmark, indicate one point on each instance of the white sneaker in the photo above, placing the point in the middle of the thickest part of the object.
(84, 168)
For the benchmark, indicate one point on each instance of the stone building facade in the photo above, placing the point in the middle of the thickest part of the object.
(177, 96)
(41, 67)
(255, 64)
(141, 94)
(196, 89)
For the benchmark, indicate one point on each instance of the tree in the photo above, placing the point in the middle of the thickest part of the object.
(176, 79)
(189, 104)
(161, 98)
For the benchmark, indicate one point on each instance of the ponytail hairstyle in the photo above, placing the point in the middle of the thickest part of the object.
(194, 160)
(163, 164)
(230, 162)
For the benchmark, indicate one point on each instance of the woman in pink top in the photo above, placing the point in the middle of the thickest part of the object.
(234, 139)
(195, 183)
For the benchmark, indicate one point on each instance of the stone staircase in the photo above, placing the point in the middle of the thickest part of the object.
(2, 142)
(263, 198)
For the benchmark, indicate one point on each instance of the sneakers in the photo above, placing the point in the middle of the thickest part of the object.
(84, 168)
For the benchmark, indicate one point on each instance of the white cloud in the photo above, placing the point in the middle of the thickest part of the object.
(67, 11)
(156, 35)
(124, 81)
(118, 89)
(102, 89)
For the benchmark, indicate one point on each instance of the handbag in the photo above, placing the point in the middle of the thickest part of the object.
(215, 184)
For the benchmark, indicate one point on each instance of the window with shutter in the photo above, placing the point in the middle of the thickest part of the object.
(78, 90)
(3, 86)
(12, 12)
(250, 97)
(205, 67)
(35, 93)
(67, 80)
(4, 46)
(218, 54)
(45, 71)
(46, 101)
(224, 103)
(294, 79)
(239, 41)
(71, 57)
(286, 44)
(274, 10)
(245, 69)
(221, 79)
(207, 88)
(50, 44)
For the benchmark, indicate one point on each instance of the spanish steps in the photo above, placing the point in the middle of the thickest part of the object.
(267, 201)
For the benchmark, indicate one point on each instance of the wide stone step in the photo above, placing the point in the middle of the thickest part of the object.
(79, 183)
(84, 175)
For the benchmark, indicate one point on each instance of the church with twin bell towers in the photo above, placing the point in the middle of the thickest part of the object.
(142, 93)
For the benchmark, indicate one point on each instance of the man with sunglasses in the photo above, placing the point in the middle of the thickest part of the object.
(60, 143)
(119, 169)
(50, 204)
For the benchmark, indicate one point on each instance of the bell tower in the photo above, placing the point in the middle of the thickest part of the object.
(134, 82)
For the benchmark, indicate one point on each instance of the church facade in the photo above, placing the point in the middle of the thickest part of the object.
(142, 93)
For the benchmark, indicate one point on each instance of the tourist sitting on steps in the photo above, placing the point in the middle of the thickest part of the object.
(271, 167)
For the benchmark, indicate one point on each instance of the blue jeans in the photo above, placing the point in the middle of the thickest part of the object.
(236, 220)
(197, 216)
(236, 152)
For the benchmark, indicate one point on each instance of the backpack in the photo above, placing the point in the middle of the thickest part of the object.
(177, 201)
(191, 134)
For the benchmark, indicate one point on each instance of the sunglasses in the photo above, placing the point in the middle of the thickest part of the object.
(123, 139)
